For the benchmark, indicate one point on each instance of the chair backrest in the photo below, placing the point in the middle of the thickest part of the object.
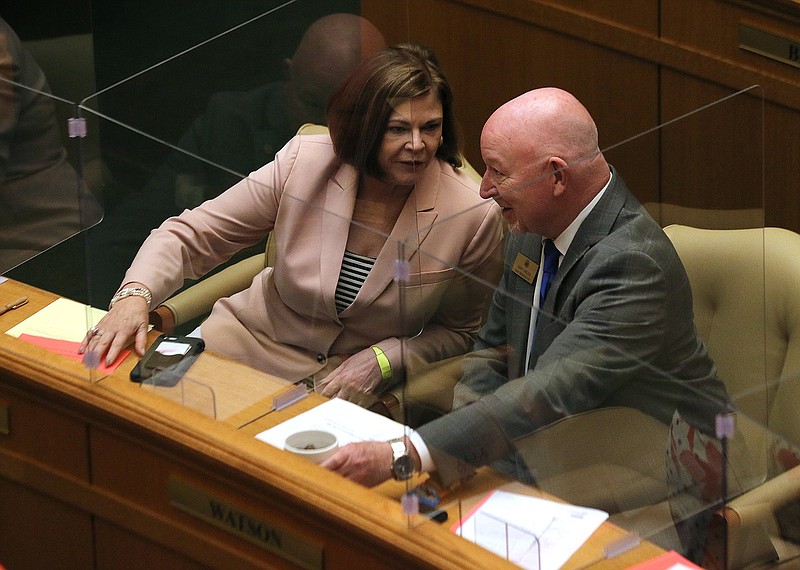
(312, 129)
(746, 287)
(666, 214)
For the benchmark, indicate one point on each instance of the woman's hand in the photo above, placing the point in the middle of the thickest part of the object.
(125, 321)
(354, 379)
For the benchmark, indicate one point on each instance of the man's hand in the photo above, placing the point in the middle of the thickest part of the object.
(368, 462)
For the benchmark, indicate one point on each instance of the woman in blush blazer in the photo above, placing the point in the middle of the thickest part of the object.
(382, 243)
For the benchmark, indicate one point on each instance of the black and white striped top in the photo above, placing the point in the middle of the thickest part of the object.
(355, 269)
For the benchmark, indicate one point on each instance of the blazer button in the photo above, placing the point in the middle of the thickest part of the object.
(322, 359)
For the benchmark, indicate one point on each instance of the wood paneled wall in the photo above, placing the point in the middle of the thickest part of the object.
(686, 115)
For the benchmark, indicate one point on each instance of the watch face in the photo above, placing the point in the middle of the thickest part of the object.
(403, 468)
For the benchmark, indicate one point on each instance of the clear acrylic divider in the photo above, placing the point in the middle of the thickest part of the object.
(494, 532)
(185, 129)
(607, 428)
(49, 205)
(175, 135)
(636, 474)
(47, 201)
(172, 384)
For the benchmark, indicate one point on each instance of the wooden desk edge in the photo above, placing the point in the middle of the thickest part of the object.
(237, 457)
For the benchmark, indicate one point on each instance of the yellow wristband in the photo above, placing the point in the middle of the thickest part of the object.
(383, 362)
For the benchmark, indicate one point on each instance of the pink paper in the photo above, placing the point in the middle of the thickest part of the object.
(70, 350)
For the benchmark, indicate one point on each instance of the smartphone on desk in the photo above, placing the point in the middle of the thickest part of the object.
(167, 359)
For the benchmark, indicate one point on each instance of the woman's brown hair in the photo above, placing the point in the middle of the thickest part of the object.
(359, 110)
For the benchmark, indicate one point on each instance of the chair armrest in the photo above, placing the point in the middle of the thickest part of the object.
(776, 492)
(198, 299)
(750, 525)
(163, 319)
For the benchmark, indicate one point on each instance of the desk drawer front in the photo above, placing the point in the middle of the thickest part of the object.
(33, 431)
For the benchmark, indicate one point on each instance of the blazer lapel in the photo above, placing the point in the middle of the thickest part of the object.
(595, 227)
(339, 203)
(417, 217)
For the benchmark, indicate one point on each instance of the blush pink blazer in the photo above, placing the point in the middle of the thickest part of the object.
(286, 322)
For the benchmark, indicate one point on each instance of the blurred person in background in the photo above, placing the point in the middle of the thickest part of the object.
(44, 200)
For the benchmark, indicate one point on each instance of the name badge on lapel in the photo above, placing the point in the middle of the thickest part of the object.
(525, 268)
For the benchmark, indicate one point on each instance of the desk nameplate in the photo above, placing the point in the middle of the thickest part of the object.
(285, 544)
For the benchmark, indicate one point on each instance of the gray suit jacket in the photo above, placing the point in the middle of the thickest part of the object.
(616, 330)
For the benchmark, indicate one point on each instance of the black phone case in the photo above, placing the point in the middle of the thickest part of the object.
(153, 363)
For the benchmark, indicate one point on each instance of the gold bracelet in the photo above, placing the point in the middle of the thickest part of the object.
(383, 362)
(132, 292)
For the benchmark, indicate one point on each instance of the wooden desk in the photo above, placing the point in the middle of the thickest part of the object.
(469, 493)
(102, 473)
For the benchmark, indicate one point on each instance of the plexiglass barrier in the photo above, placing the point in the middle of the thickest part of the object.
(47, 204)
(612, 429)
(620, 409)
(46, 199)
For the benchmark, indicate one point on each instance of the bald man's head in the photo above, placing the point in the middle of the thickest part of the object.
(329, 50)
(547, 121)
(543, 161)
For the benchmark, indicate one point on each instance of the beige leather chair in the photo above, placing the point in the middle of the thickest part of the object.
(668, 214)
(746, 286)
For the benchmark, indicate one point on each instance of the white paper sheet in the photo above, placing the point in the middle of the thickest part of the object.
(534, 533)
(349, 422)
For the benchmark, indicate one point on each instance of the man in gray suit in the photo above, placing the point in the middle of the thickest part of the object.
(616, 325)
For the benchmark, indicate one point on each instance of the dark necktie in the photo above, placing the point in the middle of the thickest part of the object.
(549, 268)
(551, 255)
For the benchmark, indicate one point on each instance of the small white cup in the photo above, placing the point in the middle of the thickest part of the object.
(315, 445)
